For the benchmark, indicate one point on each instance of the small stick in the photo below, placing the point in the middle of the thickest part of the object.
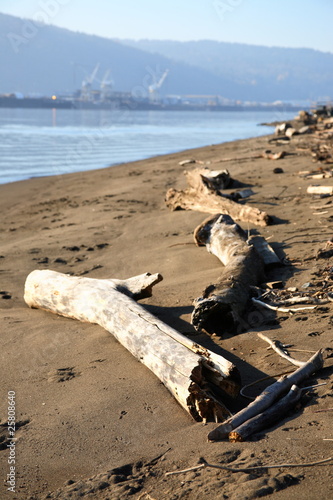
(281, 309)
(325, 409)
(274, 345)
(312, 386)
(248, 469)
(145, 496)
(268, 397)
(237, 158)
(302, 300)
(241, 392)
(268, 417)
(301, 350)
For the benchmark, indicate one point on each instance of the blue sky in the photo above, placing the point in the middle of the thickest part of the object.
(283, 23)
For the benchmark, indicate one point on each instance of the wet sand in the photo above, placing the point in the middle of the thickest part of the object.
(92, 421)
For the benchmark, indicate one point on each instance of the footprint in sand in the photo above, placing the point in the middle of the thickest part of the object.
(42, 260)
(62, 374)
(4, 435)
(59, 260)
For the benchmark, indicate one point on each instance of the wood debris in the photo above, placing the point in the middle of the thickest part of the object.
(241, 425)
(204, 195)
(221, 305)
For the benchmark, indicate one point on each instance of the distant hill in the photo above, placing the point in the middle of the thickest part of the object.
(267, 73)
(44, 59)
(48, 59)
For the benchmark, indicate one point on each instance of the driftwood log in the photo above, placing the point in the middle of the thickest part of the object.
(267, 397)
(265, 251)
(268, 417)
(190, 372)
(202, 195)
(222, 304)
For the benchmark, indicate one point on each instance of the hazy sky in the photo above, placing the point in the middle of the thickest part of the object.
(284, 23)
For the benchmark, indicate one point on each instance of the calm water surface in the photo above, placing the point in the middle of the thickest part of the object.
(37, 142)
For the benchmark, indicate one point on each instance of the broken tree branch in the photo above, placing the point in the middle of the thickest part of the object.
(277, 348)
(249, 469)
(203, 196)
(268, 417)
(303, 300)
(189, 371)
(267, 397)
(281, 309)
(223, 303)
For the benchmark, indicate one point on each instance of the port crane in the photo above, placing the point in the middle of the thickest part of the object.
(152, 89)
(87, 84)
(106, 86)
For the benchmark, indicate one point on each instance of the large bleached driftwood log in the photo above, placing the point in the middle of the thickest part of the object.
(203, 195)
(190, 372)
(223, 303)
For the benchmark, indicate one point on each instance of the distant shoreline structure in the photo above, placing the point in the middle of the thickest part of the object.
(123, 101)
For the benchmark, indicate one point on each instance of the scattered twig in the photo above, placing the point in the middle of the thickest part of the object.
(181, 244)
(312, 386)
(301, 350)
(276, 346)
(281, 309)
(241, 392)
(268, 417)
(238, 158)
(248, 469)
(303, 300)
(325, 409)
(268, 397)
(145, 496)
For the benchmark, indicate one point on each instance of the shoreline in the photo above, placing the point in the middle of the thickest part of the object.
(85, 405)
(119, 164)
(98, 146)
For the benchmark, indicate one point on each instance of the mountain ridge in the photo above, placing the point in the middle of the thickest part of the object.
(48, 59)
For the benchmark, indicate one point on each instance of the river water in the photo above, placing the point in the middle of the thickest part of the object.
(40, 142)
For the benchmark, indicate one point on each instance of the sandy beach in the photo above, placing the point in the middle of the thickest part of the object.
(94, 422)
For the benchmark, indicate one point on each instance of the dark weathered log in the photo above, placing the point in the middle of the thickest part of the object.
(189, 371)
(267, 418)
(201, 195)
(267, 397)
(222, 304)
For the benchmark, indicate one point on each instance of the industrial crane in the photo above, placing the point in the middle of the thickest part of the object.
(106, 86)
(152, 89)
(87, 84)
